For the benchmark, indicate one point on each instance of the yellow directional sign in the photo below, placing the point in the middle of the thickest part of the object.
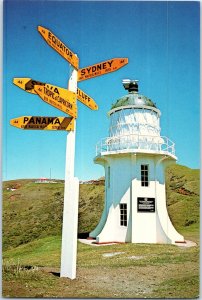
(61, 99)
(57, 45)
(87, 100)
(101, 68)
(27, 84)
(43, 123)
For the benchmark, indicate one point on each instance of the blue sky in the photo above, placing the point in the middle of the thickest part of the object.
(161, 41)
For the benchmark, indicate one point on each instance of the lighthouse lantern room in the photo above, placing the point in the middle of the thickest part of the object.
(134, 157)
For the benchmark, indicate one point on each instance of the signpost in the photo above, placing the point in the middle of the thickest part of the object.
(65, 100)
(43, 123)
(101, 68)
(71, 202)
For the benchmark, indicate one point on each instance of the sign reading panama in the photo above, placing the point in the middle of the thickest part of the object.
(59, 46)
(101, 68)
(43, 123)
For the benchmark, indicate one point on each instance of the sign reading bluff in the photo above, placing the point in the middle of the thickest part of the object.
(43, 123)
(60, 98)
(87, 100)
(101, 68)
(57, 45)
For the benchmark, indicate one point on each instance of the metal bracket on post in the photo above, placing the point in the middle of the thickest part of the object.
(71, 201)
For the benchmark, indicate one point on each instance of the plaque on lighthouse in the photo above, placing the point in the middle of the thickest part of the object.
(145, 204)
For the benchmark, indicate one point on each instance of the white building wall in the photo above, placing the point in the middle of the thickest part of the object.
(143, 224)
(125, 187)
(118, 192)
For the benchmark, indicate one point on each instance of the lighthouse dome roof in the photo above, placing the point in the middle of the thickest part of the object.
(133, 98)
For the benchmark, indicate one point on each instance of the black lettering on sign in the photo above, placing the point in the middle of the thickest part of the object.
(59, 44)
(145, 204)
(31, 83)
(41, 121)
(25, 119)
(50, 120)
(93, 69)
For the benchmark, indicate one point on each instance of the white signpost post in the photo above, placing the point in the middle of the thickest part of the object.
(71, 202)
(71, 191)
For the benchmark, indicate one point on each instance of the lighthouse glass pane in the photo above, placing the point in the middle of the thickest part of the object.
(123, 214)
(144, 175)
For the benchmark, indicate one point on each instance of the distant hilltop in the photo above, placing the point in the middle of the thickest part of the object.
(100, 181)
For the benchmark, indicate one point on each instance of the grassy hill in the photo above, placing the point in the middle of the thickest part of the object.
(32, 218)
(34, 210)
(183, 197)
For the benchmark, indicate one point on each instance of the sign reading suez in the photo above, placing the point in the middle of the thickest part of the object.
(43, 123)
(28, 85)
(59, 46)
(101, 68)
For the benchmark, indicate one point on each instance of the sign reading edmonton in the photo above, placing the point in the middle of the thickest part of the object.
(43, 123)
(59, 46)
(101, 68)
(28, 84)
(61, 99)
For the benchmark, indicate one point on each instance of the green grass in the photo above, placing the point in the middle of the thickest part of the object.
(175, 288)
(35, 254)
(42, 252)
(172, 268)
(35, 210)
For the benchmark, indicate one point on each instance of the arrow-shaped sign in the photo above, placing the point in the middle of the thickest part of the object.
(28, 84)
(60, 98)
(87, 100)
(101, 68)
(59, 46)
(43, 123)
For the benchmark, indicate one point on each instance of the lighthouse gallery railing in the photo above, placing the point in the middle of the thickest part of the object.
(135, 142)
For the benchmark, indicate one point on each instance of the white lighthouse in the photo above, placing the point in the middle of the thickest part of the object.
(135, 156)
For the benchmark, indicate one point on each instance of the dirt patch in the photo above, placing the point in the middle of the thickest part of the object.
(111, 254)
(131, 282)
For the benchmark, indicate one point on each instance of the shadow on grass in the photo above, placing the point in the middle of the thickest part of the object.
(57, 274)
(83, 235)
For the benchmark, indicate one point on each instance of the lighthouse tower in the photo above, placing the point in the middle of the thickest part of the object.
(134, 157)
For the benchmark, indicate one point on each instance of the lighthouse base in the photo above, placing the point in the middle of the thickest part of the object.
(135, 212)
